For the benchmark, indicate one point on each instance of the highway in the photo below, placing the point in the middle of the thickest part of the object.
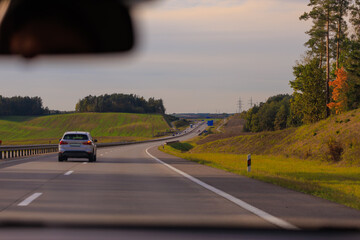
(137, 186)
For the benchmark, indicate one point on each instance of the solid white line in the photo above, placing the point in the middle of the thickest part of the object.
(68, 173)
(260, 213)
(28, 200)
(85, 162)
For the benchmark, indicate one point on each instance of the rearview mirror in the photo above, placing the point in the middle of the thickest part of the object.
(33, 27)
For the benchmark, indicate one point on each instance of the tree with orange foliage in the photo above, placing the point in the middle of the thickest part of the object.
(340, 88)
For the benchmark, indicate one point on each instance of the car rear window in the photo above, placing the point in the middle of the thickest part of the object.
(76, 137)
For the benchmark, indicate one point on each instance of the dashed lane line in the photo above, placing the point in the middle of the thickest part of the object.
(29, 199)
(68, 173)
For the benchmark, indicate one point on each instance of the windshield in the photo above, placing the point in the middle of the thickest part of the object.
(76, 137)
(226, 115)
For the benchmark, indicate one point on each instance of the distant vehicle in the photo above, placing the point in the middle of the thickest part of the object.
(77, 145)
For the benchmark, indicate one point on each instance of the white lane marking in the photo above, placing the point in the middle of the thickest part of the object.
(260, 213)
(68, 173)
(28, 200)
(85, 162)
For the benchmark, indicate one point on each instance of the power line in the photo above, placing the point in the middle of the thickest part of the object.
(240, 105)
(251, 102)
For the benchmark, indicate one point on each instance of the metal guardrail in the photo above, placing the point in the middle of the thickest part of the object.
(26, 150)
(7, 152)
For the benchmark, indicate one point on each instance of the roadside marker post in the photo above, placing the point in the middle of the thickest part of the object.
(249, 163)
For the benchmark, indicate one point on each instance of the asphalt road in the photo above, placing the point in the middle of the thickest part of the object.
(138, 186)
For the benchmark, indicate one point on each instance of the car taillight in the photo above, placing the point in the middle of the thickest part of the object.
(63, 143)
(87, 143)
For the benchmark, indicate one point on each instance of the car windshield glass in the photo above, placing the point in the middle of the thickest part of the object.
(227, 115)
(75, 137)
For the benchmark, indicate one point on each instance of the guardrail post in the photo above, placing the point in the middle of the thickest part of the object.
(249, 163)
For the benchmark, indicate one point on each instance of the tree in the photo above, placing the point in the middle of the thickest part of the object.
(355, 18)
(341, 8)
(328, 21)
(352, 67)
(22, 106)
(339, 95)
(129, 103)
(269, 116)
(309, 91)
(317, 33)
(281, 117)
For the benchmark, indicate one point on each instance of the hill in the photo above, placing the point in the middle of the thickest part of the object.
(321, 141)
(106, 127)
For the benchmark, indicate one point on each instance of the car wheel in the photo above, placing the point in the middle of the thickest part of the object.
(91, 158)
(60, 158)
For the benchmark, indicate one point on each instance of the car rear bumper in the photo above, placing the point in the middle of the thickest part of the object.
(75, 154)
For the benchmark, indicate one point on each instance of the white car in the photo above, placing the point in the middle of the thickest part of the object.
(77, 145)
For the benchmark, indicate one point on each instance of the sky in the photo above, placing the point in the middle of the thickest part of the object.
(196, 55)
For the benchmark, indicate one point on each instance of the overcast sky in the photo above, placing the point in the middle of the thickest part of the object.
(197, 55)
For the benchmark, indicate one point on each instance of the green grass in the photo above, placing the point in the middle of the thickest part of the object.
(306, 142)
(104, 126)
(336, 183)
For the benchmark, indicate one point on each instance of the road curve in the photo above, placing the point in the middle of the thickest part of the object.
(137, 185)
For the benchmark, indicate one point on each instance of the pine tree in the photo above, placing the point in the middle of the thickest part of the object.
(323, 16)
(355, 18)
(317, 33)
(341, 8)
(309, 91)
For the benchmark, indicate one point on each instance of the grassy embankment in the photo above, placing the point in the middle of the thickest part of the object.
(106, 127)
(299, 158)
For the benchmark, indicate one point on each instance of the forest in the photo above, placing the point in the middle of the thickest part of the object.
(128, 103)
(25, 106)
(326, 78)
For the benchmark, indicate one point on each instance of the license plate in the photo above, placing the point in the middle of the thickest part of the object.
(74, 145)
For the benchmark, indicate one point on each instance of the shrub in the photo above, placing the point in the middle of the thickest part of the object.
(182, 123)
(183, 147)
(335, 149)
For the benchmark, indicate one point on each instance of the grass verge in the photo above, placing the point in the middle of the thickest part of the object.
(336, 183)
